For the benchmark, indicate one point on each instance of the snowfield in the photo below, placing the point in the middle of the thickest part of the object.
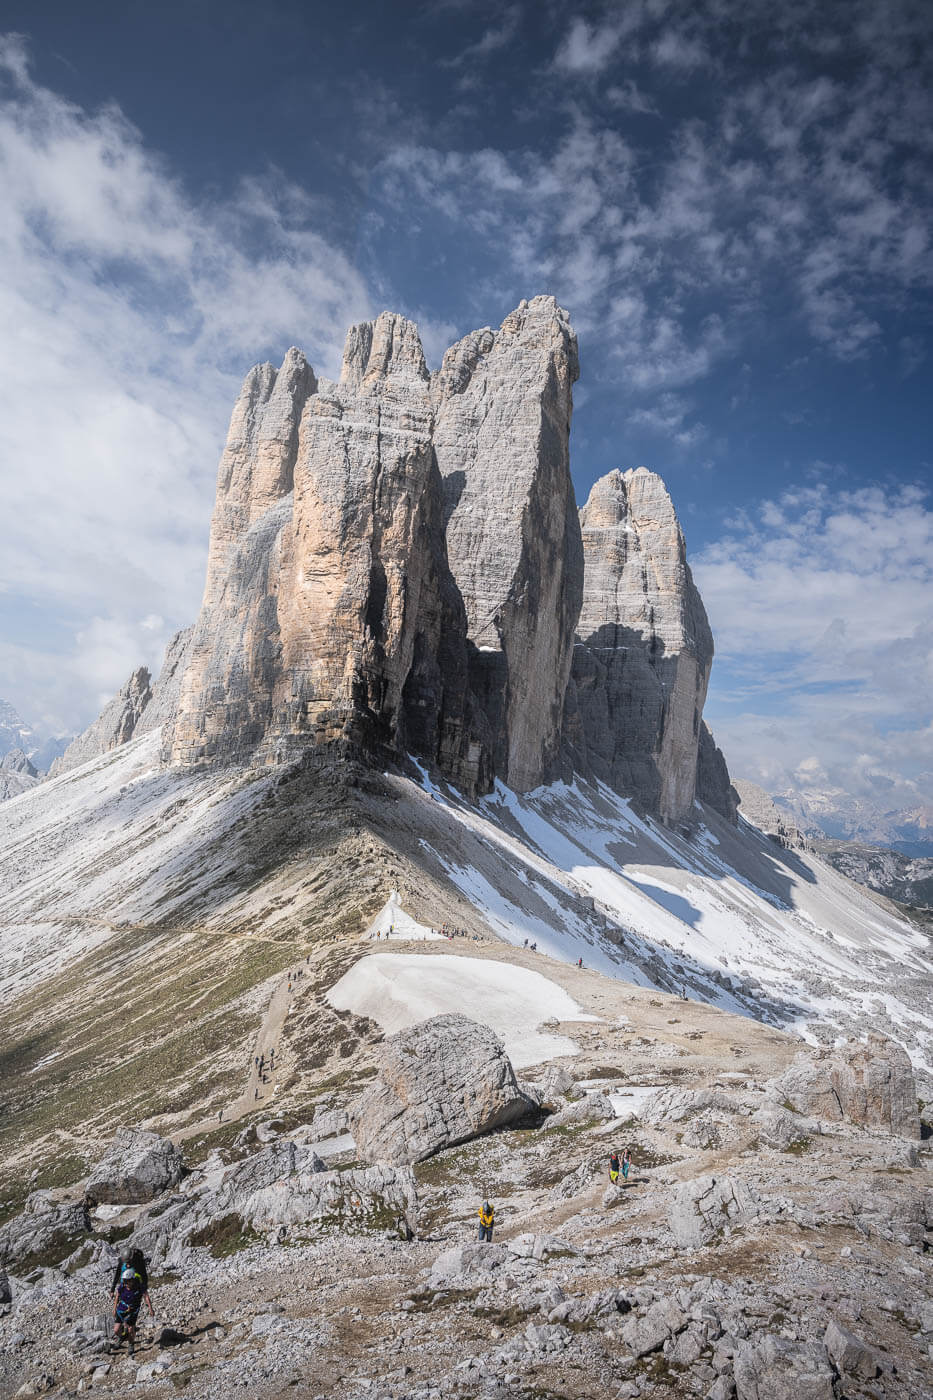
(397, 990)
(720, 912)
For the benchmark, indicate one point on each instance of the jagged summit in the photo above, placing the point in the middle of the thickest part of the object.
(397, 566)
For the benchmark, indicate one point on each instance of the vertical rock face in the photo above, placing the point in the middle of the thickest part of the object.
(395, 560)
(714, 786)
(503, 405)
(397, 565)
(225, 699)
(330, 613)
(644, 651)
(373, 629)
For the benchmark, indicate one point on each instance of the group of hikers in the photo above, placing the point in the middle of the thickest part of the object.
(445, 931)
(129, 1287)
(618, 1166)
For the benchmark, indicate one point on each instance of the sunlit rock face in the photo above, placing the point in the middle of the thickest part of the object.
(397, 565)
(644, 648)
(395, 558)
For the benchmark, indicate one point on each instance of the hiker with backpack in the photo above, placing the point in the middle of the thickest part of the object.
(129, 1289)
(626, 1163)
(614, 1166)
(487, 1218)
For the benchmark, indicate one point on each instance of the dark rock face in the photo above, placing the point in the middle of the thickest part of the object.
(644, 648)
(714, 786)
(503, 403)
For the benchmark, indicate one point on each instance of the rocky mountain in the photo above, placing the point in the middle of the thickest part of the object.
(397, 567)
(907, 879)
(17, 774)
(837, 815)
(16, 734)
(416, 879)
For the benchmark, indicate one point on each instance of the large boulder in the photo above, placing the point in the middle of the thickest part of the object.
(703, 1207)
(44, 1232)
(870, 1084)
(771, 1368)
(441, 1082)
(138, 1166)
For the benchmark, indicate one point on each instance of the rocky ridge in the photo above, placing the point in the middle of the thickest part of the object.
(396, 567)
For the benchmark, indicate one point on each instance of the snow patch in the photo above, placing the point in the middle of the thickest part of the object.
(397, 990)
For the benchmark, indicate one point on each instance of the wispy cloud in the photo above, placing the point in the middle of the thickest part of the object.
(822, 608)
(130, 312)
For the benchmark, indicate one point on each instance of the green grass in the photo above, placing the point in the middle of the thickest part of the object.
(225, 1236)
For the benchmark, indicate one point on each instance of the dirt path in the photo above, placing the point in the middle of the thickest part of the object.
(256, 1092)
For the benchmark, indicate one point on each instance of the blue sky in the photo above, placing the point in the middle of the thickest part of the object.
(732, 203)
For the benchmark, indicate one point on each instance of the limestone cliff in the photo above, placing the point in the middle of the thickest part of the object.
(644, 648)
(395, 559)
(397, 566)
(503, 405)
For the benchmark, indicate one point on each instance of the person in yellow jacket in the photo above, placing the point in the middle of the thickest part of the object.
(487, 1218)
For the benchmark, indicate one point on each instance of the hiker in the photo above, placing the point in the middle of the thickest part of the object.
(626, 1163)
(526, 943)
(614, 1167)
(129, 1288)
(579, 962)
(487, 1218)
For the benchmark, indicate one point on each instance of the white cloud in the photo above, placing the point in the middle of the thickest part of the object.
(131, 312)
(588, 48)
(822, 609)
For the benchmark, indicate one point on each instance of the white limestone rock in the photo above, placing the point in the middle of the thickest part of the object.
(443, 1081)
(772, 1368)
(702, 1208)
(138, 1166)
(868, 1083)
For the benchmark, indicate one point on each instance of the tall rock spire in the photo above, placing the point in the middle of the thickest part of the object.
(644, 650)
(502, 426)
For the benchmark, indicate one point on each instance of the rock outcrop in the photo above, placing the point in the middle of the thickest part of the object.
(644, 648)
(115, 725)
(757, 807)
(138, 706)
(704, 1207)
(17, 774)
(502, 424)
(138, 1166)
(870, 1084)
(441, 1082)
(368, 581)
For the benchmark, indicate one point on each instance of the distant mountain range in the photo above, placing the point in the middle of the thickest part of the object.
(835, 814)
(15, 733)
